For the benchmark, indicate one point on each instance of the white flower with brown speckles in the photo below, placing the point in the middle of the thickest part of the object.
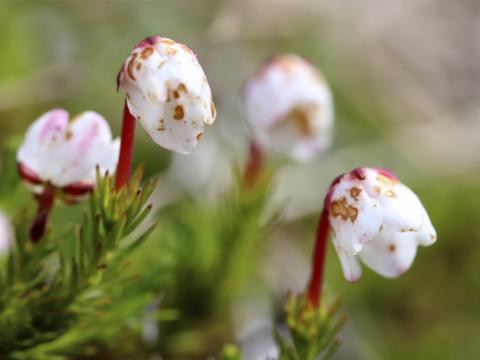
(376, 218)
(289, 107)
(63, 154)
(168, 93)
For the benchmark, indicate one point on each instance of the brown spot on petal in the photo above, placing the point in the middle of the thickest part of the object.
(171, 51)
(176, 95)
(392, 247)
(341, 208)
(213, 110)
(377, 189)
(182, 87)
(166, 41)
(68, 135)
(146, 52)
(179, 113)
(130, 67)
(355, 193)
(161, 127)
(385, 180)
(302, 123)
(299, 119)
(199, 136)
(390, 194)
(138, 66)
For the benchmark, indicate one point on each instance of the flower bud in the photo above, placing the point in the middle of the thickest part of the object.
(289, 107)
(168, 93)
(377, 219)
(64, 154)
(6, 235)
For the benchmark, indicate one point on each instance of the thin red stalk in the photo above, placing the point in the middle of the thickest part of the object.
(254, 164)
(45, 203)
(124, 167)
(319, 256)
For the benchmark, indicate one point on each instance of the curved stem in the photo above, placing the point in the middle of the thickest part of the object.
(254, 165)
(45, 203)
(124, 166)
(319, 256)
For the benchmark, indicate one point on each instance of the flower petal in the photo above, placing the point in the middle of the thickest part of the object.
(168, 94)
(86, 141)
(43, 141)
(108, 162)
(403, 211)
(289, 107)
(354, 216)
(390, 253)
(427, 235)
(350, 265)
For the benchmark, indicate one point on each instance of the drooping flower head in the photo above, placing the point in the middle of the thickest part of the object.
(6, 235)
(289, 107)
(168, 93)
(64, 154)
(378, 220)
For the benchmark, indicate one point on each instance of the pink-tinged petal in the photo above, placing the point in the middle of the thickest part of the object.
(390, 253)
(403, 211)
(66, 153)
(350, 266)
(355, 218)
(43, 142)
(87, 140)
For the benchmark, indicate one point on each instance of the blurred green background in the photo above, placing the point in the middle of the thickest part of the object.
(406, 80)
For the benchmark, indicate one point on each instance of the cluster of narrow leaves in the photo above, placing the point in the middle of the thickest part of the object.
(312, 332)
(91, 288)
(217, 248)
(76, 293)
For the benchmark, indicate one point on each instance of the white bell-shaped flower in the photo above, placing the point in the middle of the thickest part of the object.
(378, 220)
(65, 154)
(6, 235)
(289, 107)
(168, 93)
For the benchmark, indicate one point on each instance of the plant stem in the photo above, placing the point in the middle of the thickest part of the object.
(254, 165)
(124, 166)
(45, 203)
(319, 256)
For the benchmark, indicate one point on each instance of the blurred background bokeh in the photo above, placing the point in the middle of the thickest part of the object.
(406, 82)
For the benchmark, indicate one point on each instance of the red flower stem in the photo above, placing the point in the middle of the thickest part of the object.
(45, 203)
(318, 264)
(254, 164)
(124, 167)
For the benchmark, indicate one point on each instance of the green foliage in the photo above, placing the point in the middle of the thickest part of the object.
(216, 249)
(76, 293)
(312, 331)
